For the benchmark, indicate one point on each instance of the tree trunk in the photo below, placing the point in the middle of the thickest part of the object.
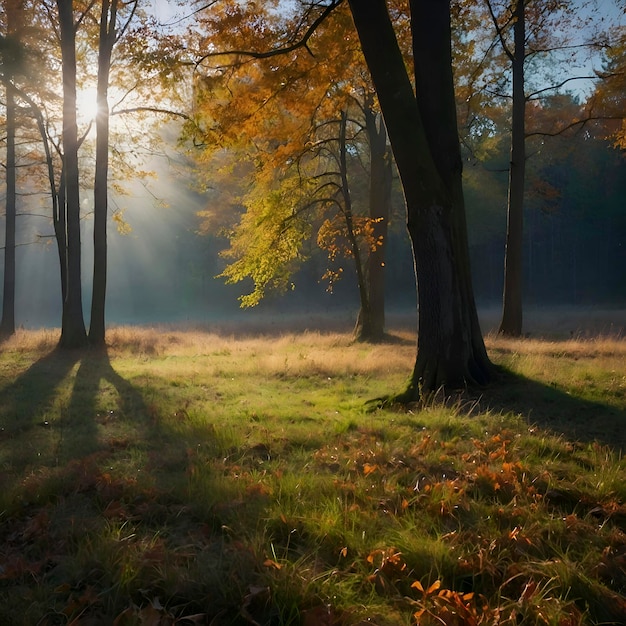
(362, 328)
(379, 211)
(98, 298)
(511, 323)
(10, 62)
(73, 334)
(7, 325)
(57, 195)
(424, 139)
(60, 231)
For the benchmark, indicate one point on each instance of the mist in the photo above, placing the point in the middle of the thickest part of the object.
(163, 271)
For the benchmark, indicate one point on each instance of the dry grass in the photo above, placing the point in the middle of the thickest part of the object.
(311, 353)
(215, 476)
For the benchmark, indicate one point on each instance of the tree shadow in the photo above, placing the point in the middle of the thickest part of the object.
(51, 417)
(24, 401)
(85, 414)
(555, 409)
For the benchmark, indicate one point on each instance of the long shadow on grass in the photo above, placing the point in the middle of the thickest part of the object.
(557, 410)
(48, 420)
(86, 412)
(25, 401)
(27, 435)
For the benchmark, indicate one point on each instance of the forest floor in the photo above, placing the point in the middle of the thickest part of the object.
(229, 474)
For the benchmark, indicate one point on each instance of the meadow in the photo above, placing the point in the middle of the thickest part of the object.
(231, 476)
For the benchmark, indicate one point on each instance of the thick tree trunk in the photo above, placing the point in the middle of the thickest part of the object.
(98, 298)
(511, 323)
(73, 334)
(450, 348)
(379, 211)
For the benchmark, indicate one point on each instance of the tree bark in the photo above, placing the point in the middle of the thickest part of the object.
(512, 315)
(73, 334)
(108, 18)
(60, 232)
(423, 134)
(362, 328)
(10, 63)
(7, 325)
(379, 211)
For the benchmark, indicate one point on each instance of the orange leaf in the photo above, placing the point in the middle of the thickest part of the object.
(436, 585)
(368, 469)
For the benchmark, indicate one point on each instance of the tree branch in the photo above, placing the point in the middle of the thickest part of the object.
(301, 43)
(147, 109)
(499, 30)
(581, 123)
(559, 85)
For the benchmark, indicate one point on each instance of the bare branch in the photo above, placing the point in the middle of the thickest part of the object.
(301, 43)
(189, 15)
(580, 123)
(146, 109)
(533, 94)
(499, 30)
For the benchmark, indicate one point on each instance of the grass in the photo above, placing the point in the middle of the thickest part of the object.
(197, 477)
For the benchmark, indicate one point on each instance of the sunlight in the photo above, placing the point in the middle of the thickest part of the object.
(86, 106)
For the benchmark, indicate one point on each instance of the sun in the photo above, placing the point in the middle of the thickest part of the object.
(86, 105)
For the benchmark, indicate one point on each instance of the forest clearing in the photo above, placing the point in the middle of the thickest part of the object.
(198, 476)
(169, 456)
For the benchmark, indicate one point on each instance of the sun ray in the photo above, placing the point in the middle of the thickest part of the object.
(86, 104)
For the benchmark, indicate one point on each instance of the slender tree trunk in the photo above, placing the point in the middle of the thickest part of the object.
(57, 195)
(7, 325)
(379, 211)
(73, 332)
(511, 323)
(424, 139)
(98, 298)
(60, 231)
(13, 23)
(362, 328)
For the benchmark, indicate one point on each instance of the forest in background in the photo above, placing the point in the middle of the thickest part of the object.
(162, 269)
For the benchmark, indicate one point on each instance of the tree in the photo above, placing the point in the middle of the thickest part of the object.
(307, 93)
(355, 235)
(73, 333)
(511, 323)
(380, 188)
(10, 58)
(423, 132)
(608, 102)
(287, 203)
(108, 35)
(67, 224)
(537, 32)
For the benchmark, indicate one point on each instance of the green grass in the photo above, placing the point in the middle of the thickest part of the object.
(191, 477)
